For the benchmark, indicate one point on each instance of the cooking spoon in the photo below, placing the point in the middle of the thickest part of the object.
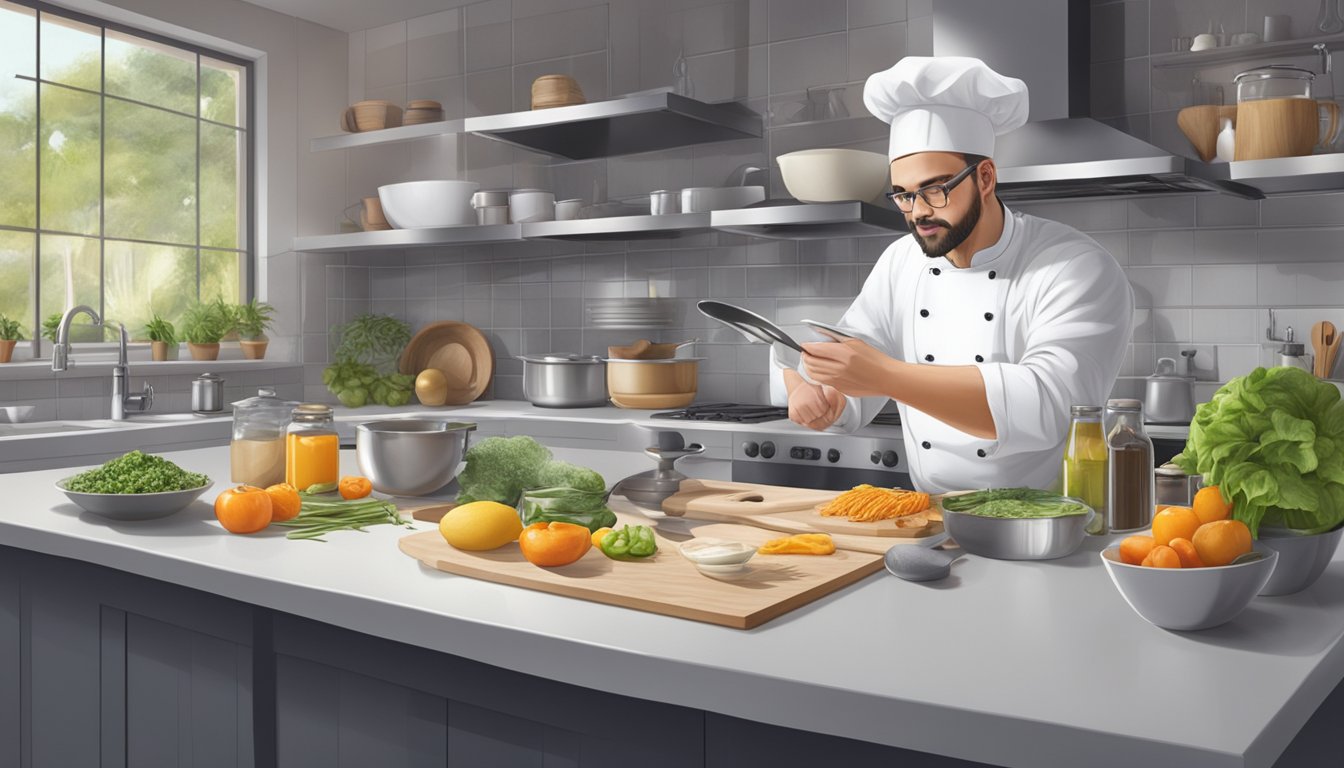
(921, 562)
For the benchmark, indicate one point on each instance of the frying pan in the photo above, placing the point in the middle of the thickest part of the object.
(748, 323)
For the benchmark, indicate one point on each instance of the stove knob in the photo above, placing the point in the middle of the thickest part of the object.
(751, 449)
(833, 455)
(813, 454)
(889, 458)
(767, 450)
(875, 457)
(797, 453)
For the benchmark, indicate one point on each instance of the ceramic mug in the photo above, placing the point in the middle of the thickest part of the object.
(527, 205)
(566, 210)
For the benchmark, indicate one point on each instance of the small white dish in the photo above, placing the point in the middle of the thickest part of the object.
(717, 554)
(722, 571)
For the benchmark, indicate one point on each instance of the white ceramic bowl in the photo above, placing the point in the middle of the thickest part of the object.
(1302, 559)
(424, 204)
(702, 199)
(527, 205)
(1189, 598)
(831, 175)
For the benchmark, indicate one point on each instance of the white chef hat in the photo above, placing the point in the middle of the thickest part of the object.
(945, 104)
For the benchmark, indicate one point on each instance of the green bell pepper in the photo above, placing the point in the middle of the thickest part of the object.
(629, 541)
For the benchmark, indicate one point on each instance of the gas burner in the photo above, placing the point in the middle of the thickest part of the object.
(887, 419)
(743, 414)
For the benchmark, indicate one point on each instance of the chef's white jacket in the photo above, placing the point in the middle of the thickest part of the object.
(1045, 314)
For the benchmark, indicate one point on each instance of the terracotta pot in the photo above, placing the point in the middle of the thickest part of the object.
(204, 351)
(158, 351)
(7, 349)
(253, 349)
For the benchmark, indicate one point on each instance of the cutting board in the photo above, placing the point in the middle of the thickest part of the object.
(793, 510)
(665, 583)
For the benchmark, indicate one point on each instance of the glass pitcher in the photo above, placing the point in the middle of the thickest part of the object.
(257, 450)
(1278, 117)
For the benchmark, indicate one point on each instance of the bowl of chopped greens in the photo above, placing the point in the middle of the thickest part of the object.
(135, 486)
(1015, 523)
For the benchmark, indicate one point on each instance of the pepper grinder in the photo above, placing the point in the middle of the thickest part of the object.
(649, 489)
(1294, 354)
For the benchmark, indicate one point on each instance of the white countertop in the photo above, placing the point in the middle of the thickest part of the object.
(1016, 663)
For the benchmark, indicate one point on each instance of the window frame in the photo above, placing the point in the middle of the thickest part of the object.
(249, 262)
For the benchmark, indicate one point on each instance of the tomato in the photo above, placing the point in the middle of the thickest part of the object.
(243, 509)
(354, 487)
(554, 543)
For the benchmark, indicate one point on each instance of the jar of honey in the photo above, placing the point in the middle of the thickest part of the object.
(312, 448)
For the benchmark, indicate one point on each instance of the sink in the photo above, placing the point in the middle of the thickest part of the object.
(46, 428)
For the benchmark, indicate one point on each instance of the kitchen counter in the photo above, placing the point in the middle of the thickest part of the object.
(1012, 663)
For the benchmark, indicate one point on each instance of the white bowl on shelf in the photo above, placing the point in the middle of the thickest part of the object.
(427, 204)
(834, 175)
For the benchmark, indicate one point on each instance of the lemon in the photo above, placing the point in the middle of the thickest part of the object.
(480, 525)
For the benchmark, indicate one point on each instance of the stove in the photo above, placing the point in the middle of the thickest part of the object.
(734, 412)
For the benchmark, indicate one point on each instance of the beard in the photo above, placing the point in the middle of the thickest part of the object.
(941, 244)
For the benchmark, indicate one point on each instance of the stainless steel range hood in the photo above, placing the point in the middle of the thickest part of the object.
(1061, 152)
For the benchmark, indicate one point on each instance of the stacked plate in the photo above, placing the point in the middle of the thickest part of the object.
(632, 314)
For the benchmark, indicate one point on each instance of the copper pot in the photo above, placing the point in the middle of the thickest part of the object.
(667, 383)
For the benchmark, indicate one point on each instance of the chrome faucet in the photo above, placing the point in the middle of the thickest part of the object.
(60, 360)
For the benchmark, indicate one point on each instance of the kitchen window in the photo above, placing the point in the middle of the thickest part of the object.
(124, 171)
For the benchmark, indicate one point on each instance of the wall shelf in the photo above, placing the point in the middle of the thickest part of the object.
(1310, 173)
(621, 227)
(386, 135)
(390, 239)
(792, 220)
(1227, 54)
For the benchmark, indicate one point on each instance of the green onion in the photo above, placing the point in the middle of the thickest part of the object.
(320, 516)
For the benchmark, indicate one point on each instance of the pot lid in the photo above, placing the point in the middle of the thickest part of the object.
(209, 377)
(1276, 70)
(561, 357)
(265, 400)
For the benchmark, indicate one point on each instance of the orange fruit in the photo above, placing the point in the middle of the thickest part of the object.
(554, 543)
(1162, 557)
(1209, 505)
(1174, 523)
(1133, 549)
(243, 509)
(1185, 549)
(285, 501)
(1221, 541)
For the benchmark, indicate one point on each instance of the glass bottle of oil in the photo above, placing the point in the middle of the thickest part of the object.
(1084, 475)
(312, 448)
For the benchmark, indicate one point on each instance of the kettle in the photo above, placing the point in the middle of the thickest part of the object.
(1168, 397)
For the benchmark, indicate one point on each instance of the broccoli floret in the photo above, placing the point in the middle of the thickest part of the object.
(562, 473)
(499, 468)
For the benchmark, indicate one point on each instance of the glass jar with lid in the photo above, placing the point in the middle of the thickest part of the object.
(1274, 81)
(1084, 476)
(1130, 493)
(1278, 117)
(257, 448)
(312, 447)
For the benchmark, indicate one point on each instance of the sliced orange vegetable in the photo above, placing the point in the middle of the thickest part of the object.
(354, 487)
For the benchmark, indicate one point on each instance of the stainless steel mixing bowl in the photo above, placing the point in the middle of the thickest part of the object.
(1042, 538)
(411, 457)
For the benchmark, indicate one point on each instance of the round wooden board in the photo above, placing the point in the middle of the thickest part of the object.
(459, 351)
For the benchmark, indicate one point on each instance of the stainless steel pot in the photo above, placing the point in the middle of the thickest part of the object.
(564, 381)
(1168, 398)
(207, 393)
(1025, 538)
(411, 457)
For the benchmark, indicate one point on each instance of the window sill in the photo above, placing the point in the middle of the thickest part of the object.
(99, 365)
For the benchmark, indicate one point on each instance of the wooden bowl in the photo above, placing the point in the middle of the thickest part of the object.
(1201, 124)
(376, 114)
(556, 91)
(459, 351)
(422, 111)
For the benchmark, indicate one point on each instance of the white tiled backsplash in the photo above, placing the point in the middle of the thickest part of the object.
(1205, 268)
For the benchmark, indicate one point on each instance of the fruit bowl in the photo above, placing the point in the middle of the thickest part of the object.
(1189, 598)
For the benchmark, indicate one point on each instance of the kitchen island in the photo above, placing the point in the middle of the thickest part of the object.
(173, 641)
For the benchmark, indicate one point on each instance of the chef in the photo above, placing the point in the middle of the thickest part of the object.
(984, 325)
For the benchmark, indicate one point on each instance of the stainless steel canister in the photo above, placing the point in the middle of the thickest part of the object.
(664, 201)
(564, 381)
(207, 393)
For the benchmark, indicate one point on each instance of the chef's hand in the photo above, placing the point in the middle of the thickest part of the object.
(852, 366)
(812, 405)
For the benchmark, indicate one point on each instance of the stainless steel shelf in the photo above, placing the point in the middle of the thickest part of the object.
(619, 126)
(621, 227)
(409, 238)
(1311, 173)
(386, 135)
(1301, 46)
(809, 221)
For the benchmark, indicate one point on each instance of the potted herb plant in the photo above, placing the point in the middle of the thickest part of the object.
(10, 334)
(252, 320)
(79, 332)
(162, 338)
(203, 325)
(50, 326)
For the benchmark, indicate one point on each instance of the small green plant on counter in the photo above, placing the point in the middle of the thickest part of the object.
(253, 319)
(207, 322)
(10, 330)
(50, 326)
(366, 357)
(159, 329)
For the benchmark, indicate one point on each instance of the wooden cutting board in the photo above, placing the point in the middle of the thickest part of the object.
(781, 509)
(665, 583)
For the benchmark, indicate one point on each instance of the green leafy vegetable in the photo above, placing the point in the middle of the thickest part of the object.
(365, 356)
(567, 505)
(136, 472)
(1273, 442)
(1014, 503)
(500, 468)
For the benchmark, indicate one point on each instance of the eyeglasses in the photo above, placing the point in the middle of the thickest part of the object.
(935, 195)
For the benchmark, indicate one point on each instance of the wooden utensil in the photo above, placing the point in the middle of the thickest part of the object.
(457, 349)
(1201, 125)
(1325, 347)
(666, 583)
